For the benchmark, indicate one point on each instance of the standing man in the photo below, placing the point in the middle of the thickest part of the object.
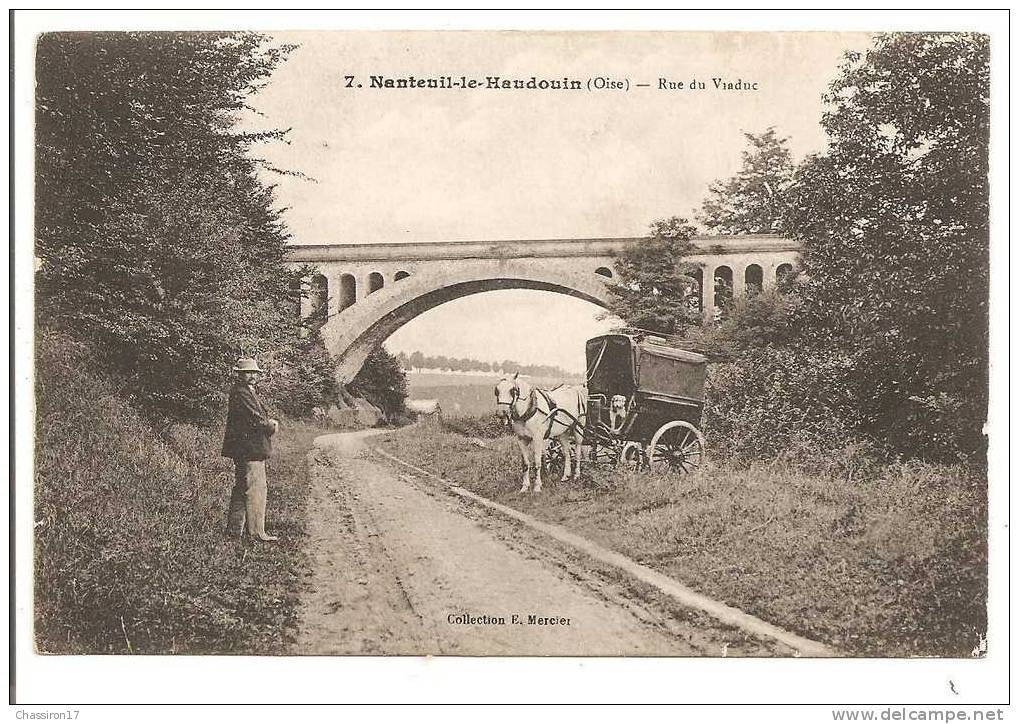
(247, 441)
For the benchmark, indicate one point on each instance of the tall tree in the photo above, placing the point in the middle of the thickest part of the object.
(754, 200)
(655, 289)
(894, 224)
(157, 240)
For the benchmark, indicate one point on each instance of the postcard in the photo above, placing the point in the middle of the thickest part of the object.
(637, 347)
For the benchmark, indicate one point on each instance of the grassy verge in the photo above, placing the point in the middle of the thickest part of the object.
(886, 561)
(130, 553)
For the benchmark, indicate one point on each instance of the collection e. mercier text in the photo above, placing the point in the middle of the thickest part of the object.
(535, 83)
(485, 619)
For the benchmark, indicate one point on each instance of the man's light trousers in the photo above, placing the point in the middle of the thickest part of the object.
(248, 498)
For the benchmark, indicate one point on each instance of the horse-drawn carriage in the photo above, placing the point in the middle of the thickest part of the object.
(645, 398)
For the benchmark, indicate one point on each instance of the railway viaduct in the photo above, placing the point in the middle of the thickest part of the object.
(371, 290)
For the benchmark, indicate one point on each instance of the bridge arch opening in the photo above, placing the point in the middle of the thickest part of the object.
(348, 291)
(354, 337)
(318, 297)
(375, 282)
(753, 278)
(694, 299)
(547, 265)
(479, 333)
(723, 286)
(783, 272)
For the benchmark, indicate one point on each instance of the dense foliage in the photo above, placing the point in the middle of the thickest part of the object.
(754, 200)
(884, 336)
(894, 224)
(382, 382)
(156, 240)
(654, 289)
(301, 376)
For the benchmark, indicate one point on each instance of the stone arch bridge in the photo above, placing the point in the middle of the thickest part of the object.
(371, 290)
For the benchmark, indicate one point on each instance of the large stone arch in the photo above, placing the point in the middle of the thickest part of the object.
(353, 333)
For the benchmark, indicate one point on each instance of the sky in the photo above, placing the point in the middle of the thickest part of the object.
(432, 165)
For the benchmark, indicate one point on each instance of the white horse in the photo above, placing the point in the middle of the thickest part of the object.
(535, 415)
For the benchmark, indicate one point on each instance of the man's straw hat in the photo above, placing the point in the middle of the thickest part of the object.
(246, 364)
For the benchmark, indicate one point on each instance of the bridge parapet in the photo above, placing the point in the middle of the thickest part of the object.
(521, 248)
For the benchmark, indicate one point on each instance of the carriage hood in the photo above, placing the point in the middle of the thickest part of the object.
(618, 364)
(611, 365)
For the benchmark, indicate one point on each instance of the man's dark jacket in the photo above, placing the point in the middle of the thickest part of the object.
(247, 426)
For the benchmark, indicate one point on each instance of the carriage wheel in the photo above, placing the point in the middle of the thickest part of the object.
(555, 460)
(619, 453)
(677, 446)
(632, 456)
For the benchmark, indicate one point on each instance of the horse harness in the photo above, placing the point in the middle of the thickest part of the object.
(532, 406)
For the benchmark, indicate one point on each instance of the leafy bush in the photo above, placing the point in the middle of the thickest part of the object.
(301, 377)
(773, 399)
(382, 382)
(654, 289)
(765, 319)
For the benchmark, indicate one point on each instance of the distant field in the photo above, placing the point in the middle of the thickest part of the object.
(463, 400)
(439, 379)
(462, 394)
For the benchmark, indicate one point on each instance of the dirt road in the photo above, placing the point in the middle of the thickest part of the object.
(400, 566)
